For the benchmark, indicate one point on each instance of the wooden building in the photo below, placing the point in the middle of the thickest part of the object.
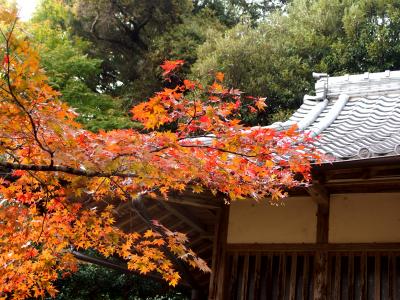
(336, 239)
(340, 237)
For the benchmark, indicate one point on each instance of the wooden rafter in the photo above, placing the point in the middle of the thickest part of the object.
(193, 201)
(186, 217)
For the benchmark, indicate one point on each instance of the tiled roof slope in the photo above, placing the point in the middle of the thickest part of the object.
(354, 116)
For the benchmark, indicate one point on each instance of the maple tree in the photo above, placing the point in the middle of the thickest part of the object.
(51, 164)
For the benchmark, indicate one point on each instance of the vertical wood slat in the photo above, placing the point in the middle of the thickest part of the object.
(377, 277)
(293, 273)
(257, 275)
(282, 276)
(391, 278)
(233, 276)
(350, 275)
(330, 275)
(269, 275)
(394, 270)
(363, 276)
(245, 276)
(338, 271)
(306, 268)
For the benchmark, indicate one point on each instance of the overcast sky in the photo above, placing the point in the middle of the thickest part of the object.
(26, 8)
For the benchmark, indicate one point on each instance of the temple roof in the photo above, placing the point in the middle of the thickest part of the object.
(352, 116)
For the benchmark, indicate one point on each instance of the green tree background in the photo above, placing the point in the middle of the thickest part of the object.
(95, 282)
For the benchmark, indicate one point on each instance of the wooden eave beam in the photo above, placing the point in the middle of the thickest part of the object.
(201, 203)
(311, 247)
(369, 181)
(186, 217)
(186, 200)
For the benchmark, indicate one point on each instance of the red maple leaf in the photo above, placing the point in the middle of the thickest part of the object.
(6, 60)
(170, 65)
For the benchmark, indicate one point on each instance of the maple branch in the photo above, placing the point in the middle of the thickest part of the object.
(43, 221)
(63, 169)
(201, 146)
(15, 99)
(191, 119)
(189, 146)
(44, 185)
(218, 149)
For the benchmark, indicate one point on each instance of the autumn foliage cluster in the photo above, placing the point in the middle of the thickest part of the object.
(51, 168)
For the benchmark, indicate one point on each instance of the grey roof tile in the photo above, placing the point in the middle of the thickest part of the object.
(365, 124)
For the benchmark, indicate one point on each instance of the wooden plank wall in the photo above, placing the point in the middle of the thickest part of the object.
(292, 275)
(270, 276)
(364, 276)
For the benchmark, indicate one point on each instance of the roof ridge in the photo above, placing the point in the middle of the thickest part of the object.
(358, 84)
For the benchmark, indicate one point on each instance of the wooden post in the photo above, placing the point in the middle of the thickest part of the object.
(321, 276)
(321, 256)
(217, 281)
(322, 224)
(322, 198)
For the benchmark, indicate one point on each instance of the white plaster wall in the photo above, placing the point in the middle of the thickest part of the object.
(293, 222)
(364, 218)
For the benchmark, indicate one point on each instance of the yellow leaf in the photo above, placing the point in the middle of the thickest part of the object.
(197, 189)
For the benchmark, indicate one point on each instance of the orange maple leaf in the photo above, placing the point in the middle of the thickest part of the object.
(220, 76)
(260, 104)
(170, 65)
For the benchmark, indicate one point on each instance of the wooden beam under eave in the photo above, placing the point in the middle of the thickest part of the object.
(186, 217)
(319, 194)
(201, 203)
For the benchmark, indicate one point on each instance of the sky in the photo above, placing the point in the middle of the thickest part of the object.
(26, 8)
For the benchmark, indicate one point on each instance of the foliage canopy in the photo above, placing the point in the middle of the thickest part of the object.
(276, 58)
(51, 165)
